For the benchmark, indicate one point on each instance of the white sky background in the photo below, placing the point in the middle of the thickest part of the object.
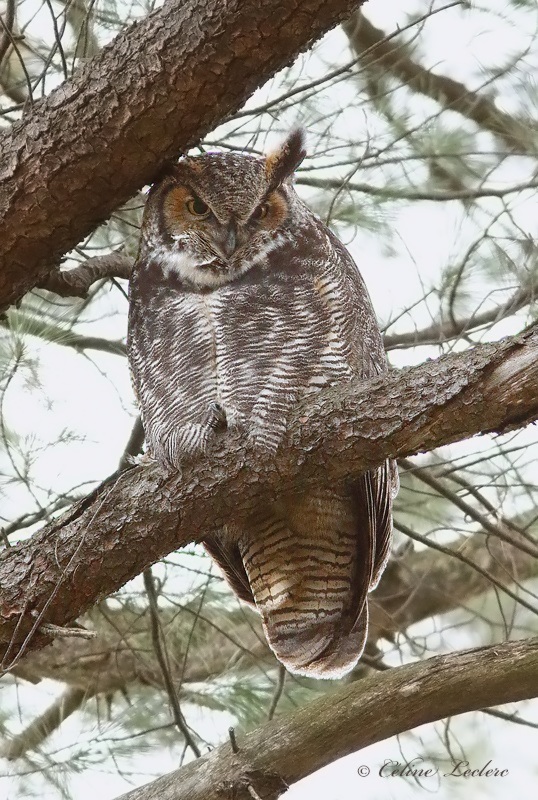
(100, 407)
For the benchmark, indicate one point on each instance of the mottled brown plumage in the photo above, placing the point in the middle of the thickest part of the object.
(241, 304)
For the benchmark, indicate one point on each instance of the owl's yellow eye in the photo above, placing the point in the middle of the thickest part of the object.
(197, 207)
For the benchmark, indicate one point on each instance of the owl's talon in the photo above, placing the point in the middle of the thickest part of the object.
(143, 460)
(217, 419)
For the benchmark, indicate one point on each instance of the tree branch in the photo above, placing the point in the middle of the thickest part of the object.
(136, 518)
(450, 94)
(453, 329)
(154, 91)
(45, 724)
(415, 586)
(7, 28)
(58, 335)
(395, 193)
(77, 281)
(290, 748)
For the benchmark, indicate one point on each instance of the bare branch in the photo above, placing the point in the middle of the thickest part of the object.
(285, 750)
(76, 282)
(156, 638)
(387, 56)
(501, 530)
(395, 193)
(453, 329)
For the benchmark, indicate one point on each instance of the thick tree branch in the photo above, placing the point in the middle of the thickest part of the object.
(371, 710)
(154, 91)
(387, 56)
(415, 586)
(137, 518)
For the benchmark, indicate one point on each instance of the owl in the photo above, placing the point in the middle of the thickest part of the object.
(242, 303)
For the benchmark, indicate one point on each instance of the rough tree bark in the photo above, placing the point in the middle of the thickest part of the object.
(286, 750)
(138, 518)
(154, 91)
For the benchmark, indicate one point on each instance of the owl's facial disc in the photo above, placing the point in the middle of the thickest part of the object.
(210, 244)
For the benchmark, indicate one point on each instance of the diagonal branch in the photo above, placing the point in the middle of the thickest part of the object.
(46, 723)
(367, 711)
(136, 518)
(415, 586)
(450, 94)
(157, 89)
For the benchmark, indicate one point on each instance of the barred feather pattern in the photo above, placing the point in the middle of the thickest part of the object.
(254, 335)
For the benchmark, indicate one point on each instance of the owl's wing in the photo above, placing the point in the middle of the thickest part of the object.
(383, 490)
(227, 556)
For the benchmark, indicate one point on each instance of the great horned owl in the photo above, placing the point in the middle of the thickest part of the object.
(242, 303)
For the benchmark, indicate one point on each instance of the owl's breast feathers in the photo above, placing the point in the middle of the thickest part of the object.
(255, 346)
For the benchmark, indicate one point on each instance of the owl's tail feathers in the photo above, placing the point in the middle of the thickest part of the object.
(310, 562)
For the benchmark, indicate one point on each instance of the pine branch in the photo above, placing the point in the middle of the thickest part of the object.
(138, 517)
(387, 56)
(76, 282)
(453, 329)
(45, 724)
(414, 587)
(282, 752)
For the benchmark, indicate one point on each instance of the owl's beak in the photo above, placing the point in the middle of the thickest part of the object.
(228, 243)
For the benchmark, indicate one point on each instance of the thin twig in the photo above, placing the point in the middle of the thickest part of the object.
(58, 632)
(179, 719)
(233, 740)
(7, 25)
(278, 691)
(426, 477)
(391, 193)
(509, 717)
(460, 557)
(444, 331)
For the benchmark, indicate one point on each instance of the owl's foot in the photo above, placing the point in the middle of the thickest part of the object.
(216, 417)
(142, 460)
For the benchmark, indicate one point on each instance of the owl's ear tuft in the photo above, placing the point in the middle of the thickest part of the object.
(280, 164)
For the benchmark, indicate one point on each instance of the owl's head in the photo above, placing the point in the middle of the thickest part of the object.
(214, 216)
